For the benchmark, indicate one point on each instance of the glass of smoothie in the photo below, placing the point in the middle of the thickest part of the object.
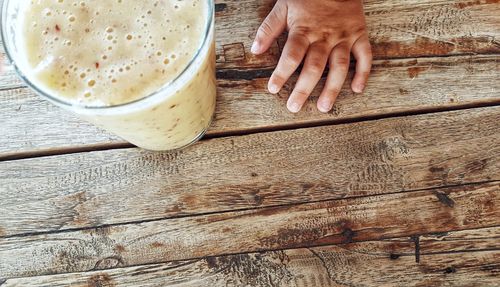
(141, 69)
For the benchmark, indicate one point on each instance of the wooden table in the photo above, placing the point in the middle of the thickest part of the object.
(399, 186)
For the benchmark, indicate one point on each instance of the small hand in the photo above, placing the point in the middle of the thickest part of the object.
(321, 31)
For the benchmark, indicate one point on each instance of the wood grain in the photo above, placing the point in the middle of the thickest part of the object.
(375, 263)
(397, 86)
(285, 227)
(266, 169)
(397, 29)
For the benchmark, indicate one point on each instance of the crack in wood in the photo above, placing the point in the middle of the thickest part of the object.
(416, 240)
(325, 266)
(244, 74)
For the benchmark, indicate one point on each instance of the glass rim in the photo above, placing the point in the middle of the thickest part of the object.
(73, 105)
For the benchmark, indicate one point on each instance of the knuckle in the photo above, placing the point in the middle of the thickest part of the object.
(292, 59)
(299, 93)
(278, 77)
(315, 67)
(333, 91)
(341, 62)
(301, 31)
(363, 74)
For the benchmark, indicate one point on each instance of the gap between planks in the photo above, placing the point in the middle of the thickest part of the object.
(68, 230)
(231, 133)
(416, 253)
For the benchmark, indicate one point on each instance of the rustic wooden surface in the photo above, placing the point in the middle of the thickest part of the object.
(399, 186)
(399, 29)
(467, 257)
(314, 164)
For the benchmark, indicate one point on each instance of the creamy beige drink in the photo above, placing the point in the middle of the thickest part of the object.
(144, 70)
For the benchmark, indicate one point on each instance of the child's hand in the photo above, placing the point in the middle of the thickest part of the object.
(325, 30)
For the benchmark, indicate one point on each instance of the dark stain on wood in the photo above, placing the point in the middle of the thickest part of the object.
(413, 72)
(439, 234)
(157, 245)
(258, 199)
(189, 200)
(234, 52)
(307, 186)
(220, 7)
(348, 235)
(211, 262)
(445, 199)
(463, 5)
(232, 84)
(175, 209)
(394, 256)
(416, 240)
(403, 91)
(436, 169)
(384, 47)
(100, 280)
(477, 165)
(269, 211)
(120, 248)
(253, 174)
(449, 270)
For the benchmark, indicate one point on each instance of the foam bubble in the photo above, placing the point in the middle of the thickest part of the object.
(104, 47)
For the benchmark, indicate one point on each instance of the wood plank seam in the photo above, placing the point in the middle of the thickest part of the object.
(68, 230)
(416, 254)
(329, 122)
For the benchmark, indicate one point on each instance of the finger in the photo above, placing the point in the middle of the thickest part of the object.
(293, 54)
(314, 65)
(362, 51)
(339, 67)
(270, 29)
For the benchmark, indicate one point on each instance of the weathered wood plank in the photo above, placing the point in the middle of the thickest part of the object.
(321, 267)
(376, 263)
(266, 169)
(397, 29)
(388, 262)
(397, 86)
(345, 264)
(305, 225)
(433, 27)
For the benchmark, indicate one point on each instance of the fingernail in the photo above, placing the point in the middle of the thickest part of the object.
(255, 47)
(273, 88)
(325, 106)
(360, 88)
(294, 107)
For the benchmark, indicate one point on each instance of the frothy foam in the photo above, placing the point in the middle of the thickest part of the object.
(103, 53)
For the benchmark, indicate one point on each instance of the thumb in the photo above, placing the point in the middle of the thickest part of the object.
(271, 28)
